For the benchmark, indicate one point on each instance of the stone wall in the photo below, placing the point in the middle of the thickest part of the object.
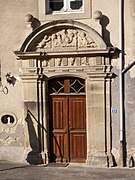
(13, 32)
(12, 35)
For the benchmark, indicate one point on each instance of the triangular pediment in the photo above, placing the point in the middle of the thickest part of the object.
(63, 36)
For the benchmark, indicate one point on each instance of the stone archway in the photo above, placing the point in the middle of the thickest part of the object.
(70, 48)
(57, 31)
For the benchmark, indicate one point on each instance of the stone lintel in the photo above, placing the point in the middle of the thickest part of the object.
(41, 55)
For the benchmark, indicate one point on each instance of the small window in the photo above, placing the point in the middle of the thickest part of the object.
(50, 10)
(65, 5)
(56, 5)
(76, 4)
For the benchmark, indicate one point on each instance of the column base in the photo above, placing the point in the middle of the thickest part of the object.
(34, 157)
(100, 160)
(44, 157)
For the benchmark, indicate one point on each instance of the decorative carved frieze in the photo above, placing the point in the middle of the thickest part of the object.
(66, 64)
(69, 61)
(66, 39)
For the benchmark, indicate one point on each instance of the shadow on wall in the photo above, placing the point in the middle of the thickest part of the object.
(33, 156)
(131, 162)
(36, 23)
(105, 33)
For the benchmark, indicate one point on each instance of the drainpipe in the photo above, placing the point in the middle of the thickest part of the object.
(121, 84)
(122, 72)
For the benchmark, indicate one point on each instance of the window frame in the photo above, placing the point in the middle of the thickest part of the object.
(67, 8)
(45, 15)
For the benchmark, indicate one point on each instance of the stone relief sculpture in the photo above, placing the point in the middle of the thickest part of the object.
(45, 42)
(56, 40)
(66, 38)
(85, 41)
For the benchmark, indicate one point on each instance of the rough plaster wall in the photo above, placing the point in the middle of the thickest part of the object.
(129, 86)
(129, 33)
(130, 76)
(130, 110)
(12, 35)
(110, 10)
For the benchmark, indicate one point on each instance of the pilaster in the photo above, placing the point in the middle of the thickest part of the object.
(98, 120)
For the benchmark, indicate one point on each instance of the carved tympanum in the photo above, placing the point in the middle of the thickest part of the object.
(71, 39)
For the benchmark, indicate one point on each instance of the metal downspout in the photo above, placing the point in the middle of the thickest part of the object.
(121, 82)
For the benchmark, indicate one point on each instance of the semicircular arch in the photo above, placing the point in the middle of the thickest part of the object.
(66, 75)
(60, 35)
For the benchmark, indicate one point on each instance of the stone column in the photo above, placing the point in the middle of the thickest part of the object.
(42, 113)
(108, 120)
(44, 119)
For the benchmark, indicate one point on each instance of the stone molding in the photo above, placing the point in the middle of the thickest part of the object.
(63, 33)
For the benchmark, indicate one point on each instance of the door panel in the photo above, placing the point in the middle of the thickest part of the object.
(68, 128)
(77, 127)
(58, 129)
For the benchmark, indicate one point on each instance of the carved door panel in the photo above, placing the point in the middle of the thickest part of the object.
(68, 128)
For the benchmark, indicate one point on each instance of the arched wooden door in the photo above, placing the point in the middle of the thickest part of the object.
(67, 120)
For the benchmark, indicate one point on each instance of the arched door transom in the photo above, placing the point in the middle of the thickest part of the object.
(67, 85)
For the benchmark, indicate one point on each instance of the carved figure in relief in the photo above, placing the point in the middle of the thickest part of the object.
(56, 38)
(85, 41)
(72, 34)
(64, 38)
(45, 42)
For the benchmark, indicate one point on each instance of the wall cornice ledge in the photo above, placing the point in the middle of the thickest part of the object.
(95, 76)
(43, 55)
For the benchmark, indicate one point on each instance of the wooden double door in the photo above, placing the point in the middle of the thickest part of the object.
(67, 128)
